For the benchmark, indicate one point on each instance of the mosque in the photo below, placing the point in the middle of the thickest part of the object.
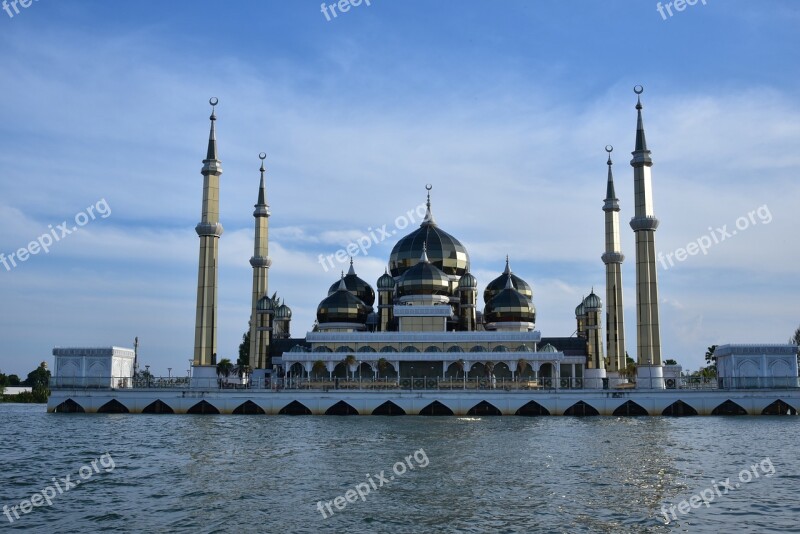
(428, 322)
(422, 333)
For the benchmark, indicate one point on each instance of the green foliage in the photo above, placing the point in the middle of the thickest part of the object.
(39, 377)
(13, 380)
(37, 396)
(244, 351)
(319, 368)
(671, 362)
(710, 358)
(795, 339)
(224, 367)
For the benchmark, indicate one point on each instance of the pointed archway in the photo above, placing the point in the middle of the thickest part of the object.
(679, 409)
(341, 408)
(532, 409)
(113, 406)
(436, 408)
(779, 407)
(484, 408)
(388, 408)
(295, 408)
(249, 408)
(581, 409)
(203, 408)
(728, 408)
(69, 406)
(630, 409)
(158, 407)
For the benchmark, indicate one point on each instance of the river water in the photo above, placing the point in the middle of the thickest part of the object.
(162, 473)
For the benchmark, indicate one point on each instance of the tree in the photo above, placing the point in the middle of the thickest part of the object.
(244, 350)
(795, 339)
(319, 367)
(710, 358)
(522, 364)
(39, 378)
(671, 362)
(383, 364)
(12, 380)
(629, 371)
(349, 361)
(224, 368)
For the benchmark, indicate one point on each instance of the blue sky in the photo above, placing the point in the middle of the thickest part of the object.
(504, 107)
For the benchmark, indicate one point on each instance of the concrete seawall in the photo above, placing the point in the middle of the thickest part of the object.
(459, 403)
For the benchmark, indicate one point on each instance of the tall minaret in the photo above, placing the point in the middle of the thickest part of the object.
(259, 337)
(644, 224)
(613, 258)
(209, 229)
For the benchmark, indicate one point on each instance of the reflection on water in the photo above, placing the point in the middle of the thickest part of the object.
(504, 474)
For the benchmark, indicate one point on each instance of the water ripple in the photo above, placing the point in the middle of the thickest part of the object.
(262, 474)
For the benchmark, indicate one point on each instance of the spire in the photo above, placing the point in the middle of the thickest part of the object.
(262, 210)
(610, 193)
(352, 271)
(509, 283)
(429, 220)
(508, 268)
(261, 195)
(342, 286)
(212, 137)
(424, 257)
(641, 155)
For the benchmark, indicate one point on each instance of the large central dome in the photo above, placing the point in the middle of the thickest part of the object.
(444, 251)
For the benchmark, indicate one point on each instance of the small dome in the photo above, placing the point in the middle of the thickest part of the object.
(342, 307)
(283, 312)
(592, 301)
(580, 311)
(386, 281)
(509, 305)
(356, 286)
(445, 251)
(264, 304)
(468, 281)
(498, 284)
(424, 278)
(548, 348)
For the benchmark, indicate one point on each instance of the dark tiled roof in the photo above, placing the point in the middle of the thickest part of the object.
(570, 346)
(279, 346)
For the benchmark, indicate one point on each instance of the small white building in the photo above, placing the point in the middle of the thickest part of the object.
(93, 367)
(754, 366)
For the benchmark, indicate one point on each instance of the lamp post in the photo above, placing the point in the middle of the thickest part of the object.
(169, 372)
(650, 371)
(147, 369)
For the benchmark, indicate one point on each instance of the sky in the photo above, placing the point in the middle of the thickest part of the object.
(503, 107)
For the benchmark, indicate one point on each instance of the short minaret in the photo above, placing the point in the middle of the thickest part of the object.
(386, 285)
(259, 335)
(613, 258)
(644, 224)
(209, 229)
(468, 299)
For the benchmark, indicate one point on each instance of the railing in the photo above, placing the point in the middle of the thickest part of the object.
(410, 383)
